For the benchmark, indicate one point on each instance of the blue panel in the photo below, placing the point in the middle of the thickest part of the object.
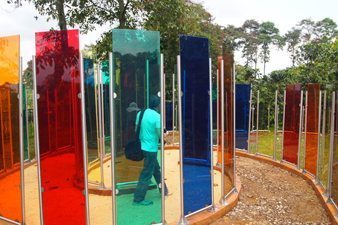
(194, 53)
(169, 115)
(106, 108)
(242, 115)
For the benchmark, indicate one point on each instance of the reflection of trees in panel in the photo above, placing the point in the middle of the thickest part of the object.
(335, 156)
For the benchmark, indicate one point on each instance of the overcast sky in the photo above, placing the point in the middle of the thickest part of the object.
(284, 13)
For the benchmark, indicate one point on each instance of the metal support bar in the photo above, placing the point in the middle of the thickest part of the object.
(217, 120)
(112, 136)
(162, 137)
(234, 118)
(183, 219)
(37, 138)
(318, 138)
(222, 200)
(22, 174)
(276, 126)
(211, 138)
(84, 138)
(300, 129)
(250, 114)
(284, 104)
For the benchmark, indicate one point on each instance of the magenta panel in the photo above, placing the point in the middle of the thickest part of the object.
(59, 113)
(291, 123)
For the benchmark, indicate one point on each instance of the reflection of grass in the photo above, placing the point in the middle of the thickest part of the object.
(31, 140)
(265, 146)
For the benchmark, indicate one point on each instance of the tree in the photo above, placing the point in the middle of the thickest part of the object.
(268, 35)
(250, 41)
(293, 39)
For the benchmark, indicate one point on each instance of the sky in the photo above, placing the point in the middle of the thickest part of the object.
(284, 13)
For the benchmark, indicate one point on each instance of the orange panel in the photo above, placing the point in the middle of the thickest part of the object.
(10, 194)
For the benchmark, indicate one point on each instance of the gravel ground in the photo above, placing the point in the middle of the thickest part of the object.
(271, 195)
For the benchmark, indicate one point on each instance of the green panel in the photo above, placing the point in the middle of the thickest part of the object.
(136, 74)
(25, 122)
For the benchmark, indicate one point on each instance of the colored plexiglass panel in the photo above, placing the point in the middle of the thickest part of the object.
(10, 194)
(242, 115)
(219, 109)
(194, 53)
(291, 123)
(136, 73)
(105, 77)
(59, 114)
(229, 129)
(312, 117)
(334, 188)
(25, 123)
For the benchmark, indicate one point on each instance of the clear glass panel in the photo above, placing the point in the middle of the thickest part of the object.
(194, 54)
(266, 125)
(291, 124)
(334, 190)
(324, 149)
(136, 73)
(10, 194)
(25, 123)
(312, 117)
(59, 111)
(229, 145)
(242, 115)
(279, 129)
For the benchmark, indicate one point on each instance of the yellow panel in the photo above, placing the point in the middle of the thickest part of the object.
(9, 59)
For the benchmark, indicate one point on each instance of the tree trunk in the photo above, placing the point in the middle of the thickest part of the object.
(59, 4)
(122, 14)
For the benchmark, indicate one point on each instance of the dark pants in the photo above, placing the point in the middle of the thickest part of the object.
(150, 168)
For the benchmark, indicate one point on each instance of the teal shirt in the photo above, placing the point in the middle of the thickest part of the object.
(151, 121)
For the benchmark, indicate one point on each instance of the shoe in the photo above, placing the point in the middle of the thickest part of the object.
(144, 202)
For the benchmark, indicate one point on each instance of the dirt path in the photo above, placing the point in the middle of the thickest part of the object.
(271, 195)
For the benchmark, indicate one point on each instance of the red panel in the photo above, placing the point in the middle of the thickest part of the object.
(10, 174)
(59, 111)
(312, 115)
(291, 124)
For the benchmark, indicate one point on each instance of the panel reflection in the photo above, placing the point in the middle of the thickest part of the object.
(312, 117)
(59, 111)
(194, 54)
(10, 194)
(242, 115)
(136, 72)
(334, 189)
(291, 123)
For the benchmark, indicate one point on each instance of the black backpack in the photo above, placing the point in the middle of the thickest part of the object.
(133, 149)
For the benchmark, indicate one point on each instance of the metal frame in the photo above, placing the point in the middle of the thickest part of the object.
(84, 138)
(257, 121)
(112, 137)
(333, 112)
(217, 103)
(284, 104)
(276, 126)
(222, 200)
(22, 174)
(9, 221)
(162, 137)
(300, 129)
(173, 111)
(318, 140)
(234, 118)
(211, 138)
(183, 220)
(250, 114)
(37, 138)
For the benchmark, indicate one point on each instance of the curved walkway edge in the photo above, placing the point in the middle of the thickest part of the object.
(327, 205)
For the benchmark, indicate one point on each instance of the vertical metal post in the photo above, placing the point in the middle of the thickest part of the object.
(103, 135)
(211, 137)
(183, 219)
(234, 119)
(37, 138)
(318, 138)
(84, 138)
(305, 126)
(222, 201)
(173, 90)
(100, 120)
(333, 112)
(22, 175)
(257, 121)
(217, 120)
(147, 80)
(276, 126)
(250, 114)
(284, 104)
(162, 138)
(300, 129)
(324, 127)
(112, 136)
